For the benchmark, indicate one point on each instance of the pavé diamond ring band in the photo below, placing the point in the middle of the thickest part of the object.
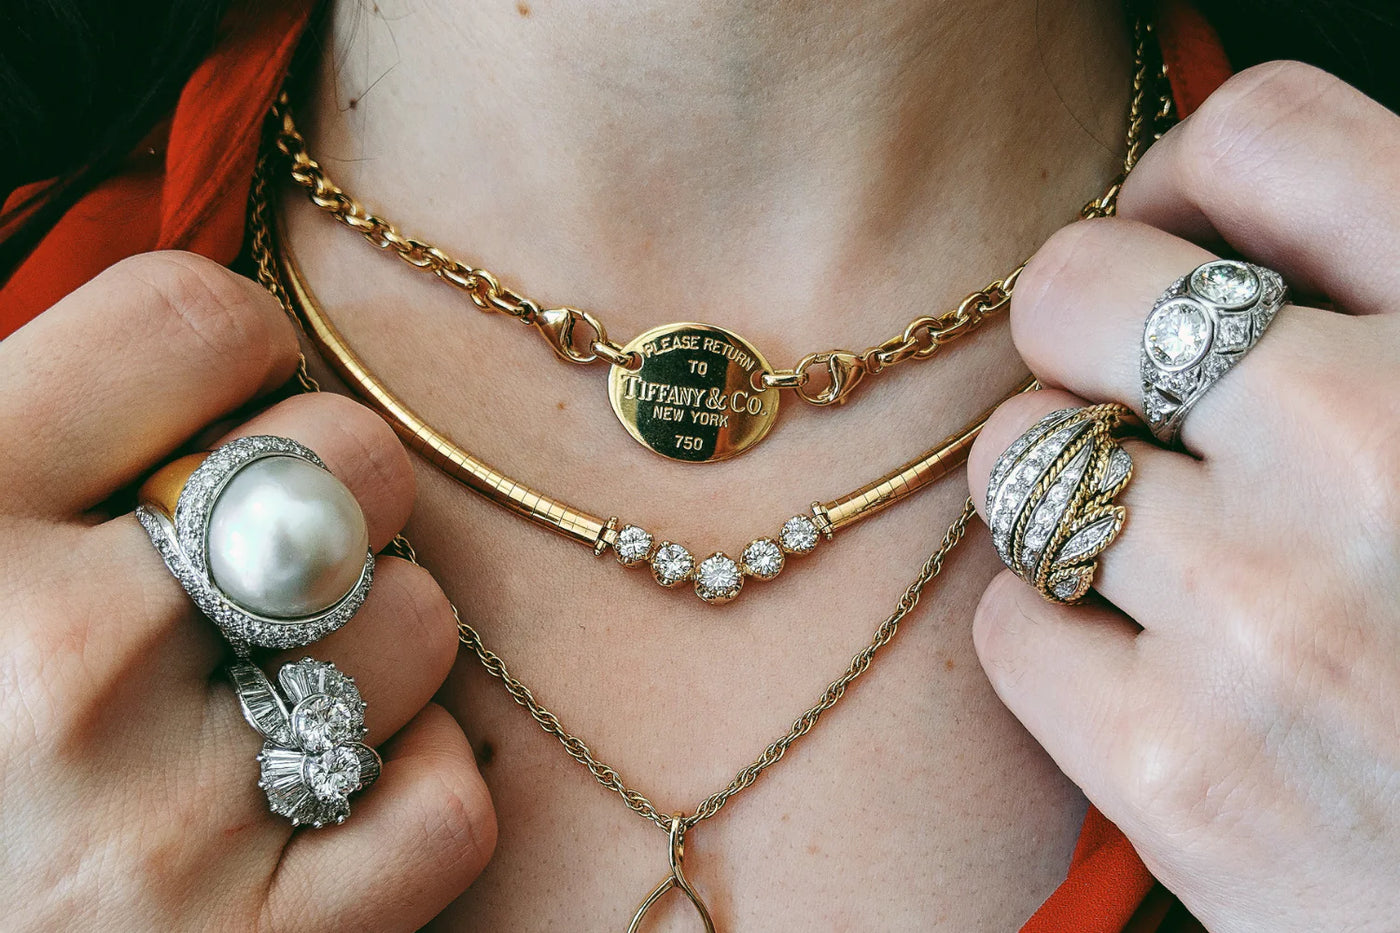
(1050, 499)
(1197, 331)
(263, 538)
(312, 758)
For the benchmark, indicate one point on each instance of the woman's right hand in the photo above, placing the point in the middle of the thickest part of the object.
(128, 785)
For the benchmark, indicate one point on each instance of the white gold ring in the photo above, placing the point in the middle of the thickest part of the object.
(265, 540)
(1197, 331)
(313, 758)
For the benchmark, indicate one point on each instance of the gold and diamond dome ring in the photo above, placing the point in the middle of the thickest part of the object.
(1050, 499)
(264, 539)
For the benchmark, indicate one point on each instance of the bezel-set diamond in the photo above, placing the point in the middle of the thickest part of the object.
(1197, 331)
(1178, 334)
(182, 542)
(313, 758)
(1225, 283)
(718, 578)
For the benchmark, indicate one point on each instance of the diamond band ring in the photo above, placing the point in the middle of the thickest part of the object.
(1050, 499)
(312, 759)
(1197, 331)
(264, 539)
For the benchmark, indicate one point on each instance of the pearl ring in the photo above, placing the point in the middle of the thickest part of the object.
(265, 540)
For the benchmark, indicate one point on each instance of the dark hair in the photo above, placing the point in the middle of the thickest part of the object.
(82, 81)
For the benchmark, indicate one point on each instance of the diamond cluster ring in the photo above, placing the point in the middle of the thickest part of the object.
(1050, 499)
(1197, 331)
(312, 758)
(264, 539)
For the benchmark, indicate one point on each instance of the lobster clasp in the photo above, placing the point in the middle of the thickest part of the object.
(844, 371)
(560, 327)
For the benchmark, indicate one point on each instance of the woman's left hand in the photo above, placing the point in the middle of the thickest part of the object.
(1236, 709)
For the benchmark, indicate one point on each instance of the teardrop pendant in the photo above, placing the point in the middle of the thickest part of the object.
(676, 879)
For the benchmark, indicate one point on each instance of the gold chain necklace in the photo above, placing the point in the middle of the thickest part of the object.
(689, 391)
(677, 824)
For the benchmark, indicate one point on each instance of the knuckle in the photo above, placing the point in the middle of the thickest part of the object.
(459, 818)
(200, 303)
(419, 593)
(1374, 452)
(1161, 777)
(996, 628)
(1234, 132)
(468, 825)
(1055, 273)
(370, 446)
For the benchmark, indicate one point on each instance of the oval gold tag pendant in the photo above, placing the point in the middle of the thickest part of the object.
(697, 395)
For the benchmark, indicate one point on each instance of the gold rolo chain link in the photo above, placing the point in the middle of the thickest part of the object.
(825, 378)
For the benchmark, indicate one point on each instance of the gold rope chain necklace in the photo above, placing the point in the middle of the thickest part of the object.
(441, 451)
(689, 391)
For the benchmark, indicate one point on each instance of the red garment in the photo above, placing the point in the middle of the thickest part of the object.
(196, 201)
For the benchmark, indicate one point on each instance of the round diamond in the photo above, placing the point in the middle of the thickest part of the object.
(762, 558)
(718, 579)
(1178, 334)
(671, 564)
(333, 774)
(320, 722)
(799, 535)
(633, 545)
(1227, 283)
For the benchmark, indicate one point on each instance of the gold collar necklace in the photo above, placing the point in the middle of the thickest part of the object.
(689, 391)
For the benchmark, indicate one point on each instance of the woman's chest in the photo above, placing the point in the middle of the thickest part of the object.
(914, 803)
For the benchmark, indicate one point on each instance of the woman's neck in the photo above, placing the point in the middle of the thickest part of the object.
(727, 160)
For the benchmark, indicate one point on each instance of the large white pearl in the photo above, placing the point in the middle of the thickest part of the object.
(286, 538)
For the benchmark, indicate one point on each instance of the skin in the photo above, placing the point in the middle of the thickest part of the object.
(857, 185)
(127, 773)
(1258, 778)
(1258, 574)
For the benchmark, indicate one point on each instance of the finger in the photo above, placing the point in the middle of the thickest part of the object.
(141, 604)
(1294, 169)
(399, 647)
(1078, 316)
(106, 383)
(357, 445)
(414, 841)
(1147, 569)
(1067, 673)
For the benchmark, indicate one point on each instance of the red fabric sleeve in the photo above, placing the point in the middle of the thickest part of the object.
(194, 200)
